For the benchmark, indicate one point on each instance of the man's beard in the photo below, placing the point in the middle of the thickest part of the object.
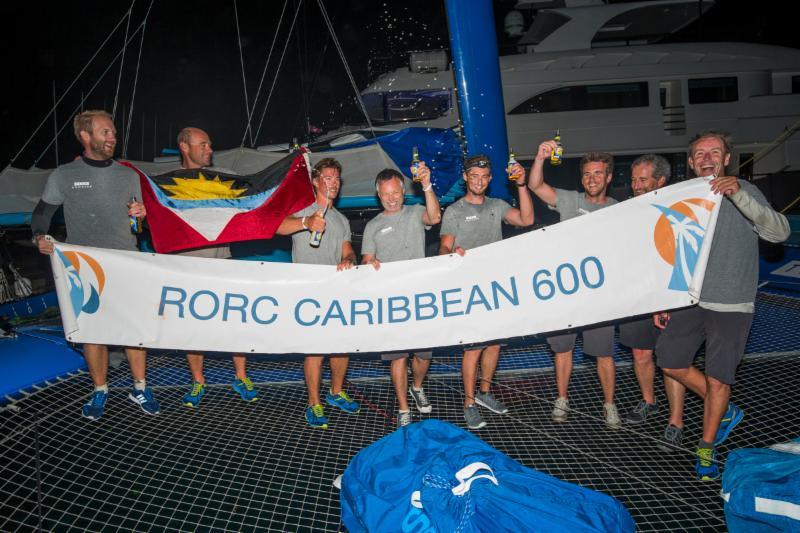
(99, 149)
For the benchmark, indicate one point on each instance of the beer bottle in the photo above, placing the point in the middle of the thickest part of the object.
(511, 161)
(135, 222)
(555, 157)
(415, 164)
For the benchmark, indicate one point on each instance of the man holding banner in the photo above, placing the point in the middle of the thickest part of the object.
(333, 247)
(96, 193)
(196, 153)
(596, 172)
(476, 220)
(398, 234)
(725, 312)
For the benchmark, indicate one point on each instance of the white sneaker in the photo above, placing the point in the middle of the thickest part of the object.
(403, 418)
(421, 399)
(612, 416)
(560, 409)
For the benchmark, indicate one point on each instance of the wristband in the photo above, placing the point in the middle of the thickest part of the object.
(522, 185)
(303, 223)
(429, 187)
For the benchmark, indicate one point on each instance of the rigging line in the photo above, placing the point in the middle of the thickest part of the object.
(346, 66)
(277, 71)
(241, 62)
(135, 82)
(780, 139)
(122, 62)
(91, 90)
(74, 81)
(249, 126)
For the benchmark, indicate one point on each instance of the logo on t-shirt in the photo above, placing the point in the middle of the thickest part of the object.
(387, 230)
(471, 218)
(82, 185)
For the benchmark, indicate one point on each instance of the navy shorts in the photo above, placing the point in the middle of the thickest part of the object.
(597, 342)
(725, 335)
(640, 334)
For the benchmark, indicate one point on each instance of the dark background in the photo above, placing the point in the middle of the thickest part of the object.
(190, 72)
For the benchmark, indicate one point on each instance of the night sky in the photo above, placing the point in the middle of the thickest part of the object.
(190, 72)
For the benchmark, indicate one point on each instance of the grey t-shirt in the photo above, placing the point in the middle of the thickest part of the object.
(329, 252)
(475, 225)
(95, 201)
(396, 237)
(571, 204)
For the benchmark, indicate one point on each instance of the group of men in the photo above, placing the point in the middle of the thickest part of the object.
(94, 188)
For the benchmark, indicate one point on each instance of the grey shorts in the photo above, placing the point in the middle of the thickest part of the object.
(597, 342)
(640, 334)
(401, 355)
(725, 335)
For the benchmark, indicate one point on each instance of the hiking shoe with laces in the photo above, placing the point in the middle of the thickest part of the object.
(487, 400)
(403, 418)
(560, 409)
(473, 417)
(423, 404)
(612, 416)
(145, 400)
(343, 402)
(245, 389)
(673, 437)
(730, 420)
(96, 405)
(640, 412)
(315, 416)
(193, 397)
(706, 464)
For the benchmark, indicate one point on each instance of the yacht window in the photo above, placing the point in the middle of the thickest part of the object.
(586, 97)
(795, 84)
(713, 90)
(403, 106)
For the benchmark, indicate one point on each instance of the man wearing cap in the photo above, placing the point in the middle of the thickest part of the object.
(472, 221)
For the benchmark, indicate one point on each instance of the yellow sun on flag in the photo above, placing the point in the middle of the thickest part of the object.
(202, 188)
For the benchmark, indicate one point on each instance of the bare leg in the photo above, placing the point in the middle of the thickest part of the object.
(691, 378)
(419, 369)
(240, 365)
(137, 359)
(489, 358)
(195, 361)
(469, 370)
(312, 367)
(606, 372)
(563, 366)
(96, 356)
(716, 403)
(675, 395)
(400, 381)
(645, 370)
(338, 371)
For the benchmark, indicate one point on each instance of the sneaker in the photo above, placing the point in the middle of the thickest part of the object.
(423, 404)
(245, 389)
(315, 416)
(193, 397)
(145, 400)
(343, 402)
(94, 408)
(730, 420)
(403, 418)
(612, 416)
(640, 412)
(706, 464)
(673, 437)
(560, 409)
(487, 400)
(473, 417)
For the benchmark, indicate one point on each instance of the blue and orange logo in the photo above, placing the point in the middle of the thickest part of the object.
(679, 235)
(86, 281)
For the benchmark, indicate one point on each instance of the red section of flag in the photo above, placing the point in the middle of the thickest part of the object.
(171, 233)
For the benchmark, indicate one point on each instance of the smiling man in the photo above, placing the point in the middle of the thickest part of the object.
(398, 234)
(597, 169)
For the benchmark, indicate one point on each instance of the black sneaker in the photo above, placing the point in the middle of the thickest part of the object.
(640, 412)
(673, 437)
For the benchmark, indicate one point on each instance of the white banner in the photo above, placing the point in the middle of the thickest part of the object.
(640, 256)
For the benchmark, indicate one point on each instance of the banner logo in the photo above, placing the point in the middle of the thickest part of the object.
(86, 281)
(678, 236)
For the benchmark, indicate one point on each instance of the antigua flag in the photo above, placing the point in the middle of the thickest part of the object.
(201, 207)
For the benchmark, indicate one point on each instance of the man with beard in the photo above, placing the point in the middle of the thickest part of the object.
(196, 154)
(597, 169)
(476, 220)
(398, 234)
(96, 193)
(723, 317)
(648, 173)
(334, 248)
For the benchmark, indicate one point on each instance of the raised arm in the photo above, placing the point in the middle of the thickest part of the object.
(536, 183)
(433, 212)
(523, 216)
